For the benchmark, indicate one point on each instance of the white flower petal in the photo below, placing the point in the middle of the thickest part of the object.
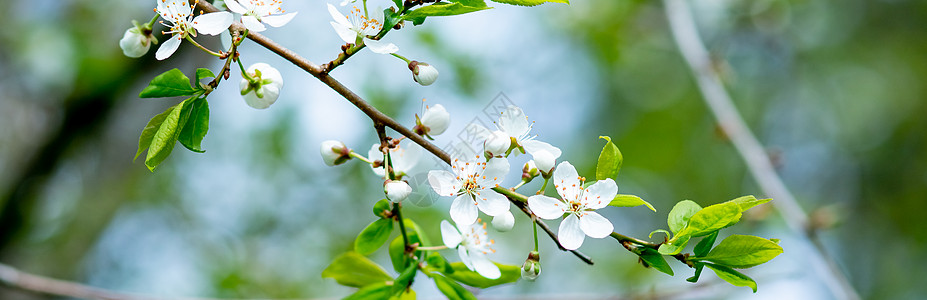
(252, 23)
(278, 20)
(341, 19)
(503, 222)
(465, 257)
(436, 118)
(380, 46)
(168, 47)
(406, 157)
(443, 182)
(344, 32)
(213, 23)
(492, 203)
(484, 267)
(450, 235)
(595, 225)
(514, 122)
(599, 194)
(234, 6)
(533, 146)
(566, 181)
(463, 210)
(546, 207)
(571, 235)
(495, 172)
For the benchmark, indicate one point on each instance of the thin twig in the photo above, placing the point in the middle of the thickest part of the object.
(683, 28)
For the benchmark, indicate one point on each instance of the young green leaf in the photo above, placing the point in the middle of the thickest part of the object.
(372, 237)
(675, 245)
(656, 260)
(680, 214)
(712, 218)
(379, 290)
(441, 9)
(355, 270)
(609, 160)
(405, 278)
(435, 260)
(630, 201)
(382, 209)
(194, 130)
(169, 84)
(703, 246)
(471, 3)
(747, 202)
(452, 289)
(530, 2)
(463, 275)
(164, 138)
(743, 251)
(148, 133)
(732, 276)
(698, 272)
(397, 255)
(203, 73)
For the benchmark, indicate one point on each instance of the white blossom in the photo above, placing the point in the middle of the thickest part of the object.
(473, 245)
(578, 204)
(134, 43)
(396, 190)
(472, 182)
(180, 21)
(255, 12)
(435, 120)
(334, 152)
(405, 157)
(270, 83)
(357, 25)
(503, 222)
(514, 124)
(423, 73)
(545, 161)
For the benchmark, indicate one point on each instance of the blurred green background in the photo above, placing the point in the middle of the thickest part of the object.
(833, 88)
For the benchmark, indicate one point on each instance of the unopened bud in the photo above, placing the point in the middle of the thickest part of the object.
(529, 171)
(397, 191)
(135, 42)
(532, 267)
(263, 88)
(545, 162)
(334, 152)
(503, 222)
(497, 144)
(435, 120)
(423, 73)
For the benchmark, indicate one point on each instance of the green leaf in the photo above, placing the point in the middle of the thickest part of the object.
(169, 84)
(703, 246)
(609, 161)
(732, 276)
(743, 251)
(372, 237)
(148, 133)
(463, 275)
(381, 208)
(405, 278)
(409, 294)
(656, 260)
(698, 272)
(630, 201)
(398, 3)
(438, 262)
(397, 255)
(194, 130)
(376, 291)
(164, 138)
(441, 9)
(452, 289)
(470, 3)
(679, 216)
(203, 73)
(391, 17)
(712, 218)
(674, 246)
(530, 2)
(355, 270)
(747, 202)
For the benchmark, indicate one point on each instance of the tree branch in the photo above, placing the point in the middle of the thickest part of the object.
(693, 50)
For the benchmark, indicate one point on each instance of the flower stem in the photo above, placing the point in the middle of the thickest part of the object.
(535, 236)
(361, 157)
(244, 73)
(216, 54)
(519, 185)
(401, 57)
(623, 238)
(397, 211)
(432, 248)
(543, 187)
(152, 22)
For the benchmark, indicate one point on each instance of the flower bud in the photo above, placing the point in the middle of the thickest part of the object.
(545, 162)
(532, 267)
(503, 222)
(135, 43)
(435, 120)
(497, 144)
(263, 88)
(529, 171)
(397, 191)
(423, 73)
(334, 152)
